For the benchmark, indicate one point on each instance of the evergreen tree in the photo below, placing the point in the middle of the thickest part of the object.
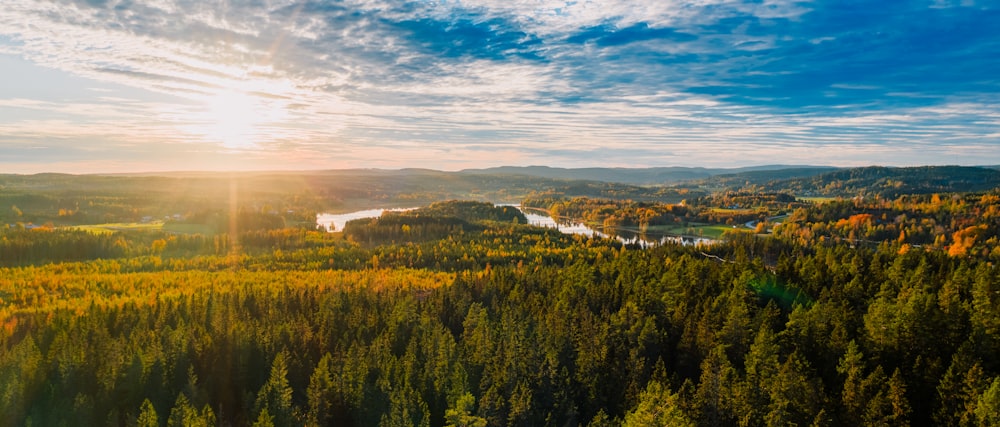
(320, 392)
(657, 407)
(988, 407)
(264, 419)
(462, 414)
(900, 402)
(752, 396)
(796, 395)
(184, 414)
(713, 398)
(854, 397)
(276, 395)
(147, 415)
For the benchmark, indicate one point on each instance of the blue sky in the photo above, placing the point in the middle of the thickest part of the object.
(123, 85)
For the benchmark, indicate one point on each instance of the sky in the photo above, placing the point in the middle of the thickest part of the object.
(98, 86)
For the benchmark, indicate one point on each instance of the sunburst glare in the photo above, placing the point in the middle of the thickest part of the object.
(239, 117)
(232, 118)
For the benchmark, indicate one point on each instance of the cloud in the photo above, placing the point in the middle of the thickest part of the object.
(557, 82)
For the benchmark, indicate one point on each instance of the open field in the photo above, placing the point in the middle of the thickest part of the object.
(119, 226)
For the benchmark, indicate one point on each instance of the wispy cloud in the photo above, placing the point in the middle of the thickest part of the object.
(475, 83)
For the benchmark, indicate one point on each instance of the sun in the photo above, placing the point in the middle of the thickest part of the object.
(245, 115)
(233, 118)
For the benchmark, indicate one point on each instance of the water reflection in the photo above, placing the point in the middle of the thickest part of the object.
(541, 218)
(568, 227)
(336, 222)
(536, 217)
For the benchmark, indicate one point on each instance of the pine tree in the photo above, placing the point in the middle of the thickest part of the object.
(406, 409)
(320, 392)
(796, 395)
(897, 397)
(264, 419)
(959, 389)
(276, 395)
(854, 398)
(657, 407)
(713, 396)
(602, 420)
(752, 395)
(184, 414)
(988, 407)
(147, 415)
(462, 414)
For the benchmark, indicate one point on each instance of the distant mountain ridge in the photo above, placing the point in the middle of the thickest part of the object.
(799, 180)
(642, 176)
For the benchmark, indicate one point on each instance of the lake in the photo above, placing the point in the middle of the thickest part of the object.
(536, 217)
(335, 222)
(540, 218)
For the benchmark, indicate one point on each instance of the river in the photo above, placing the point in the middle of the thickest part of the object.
(336, 222)
(541, 218)
(536, 217)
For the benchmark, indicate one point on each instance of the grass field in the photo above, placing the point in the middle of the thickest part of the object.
(119, 226)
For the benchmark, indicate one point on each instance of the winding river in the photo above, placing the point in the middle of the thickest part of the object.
(536, 217)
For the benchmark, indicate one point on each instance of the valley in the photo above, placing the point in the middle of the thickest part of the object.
(498, 300)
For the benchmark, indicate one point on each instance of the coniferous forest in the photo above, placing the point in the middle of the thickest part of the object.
(869, 310)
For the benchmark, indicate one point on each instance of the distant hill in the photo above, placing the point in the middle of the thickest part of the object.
(645, 176)
(755, 178)
(510, 183)
(891, 182)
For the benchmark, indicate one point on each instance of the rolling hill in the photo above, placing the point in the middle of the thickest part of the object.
(891, 182)
(647, 176)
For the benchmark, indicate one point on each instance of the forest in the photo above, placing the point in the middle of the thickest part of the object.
(866, 310)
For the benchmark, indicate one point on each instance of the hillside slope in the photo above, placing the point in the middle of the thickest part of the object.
(891, 182)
